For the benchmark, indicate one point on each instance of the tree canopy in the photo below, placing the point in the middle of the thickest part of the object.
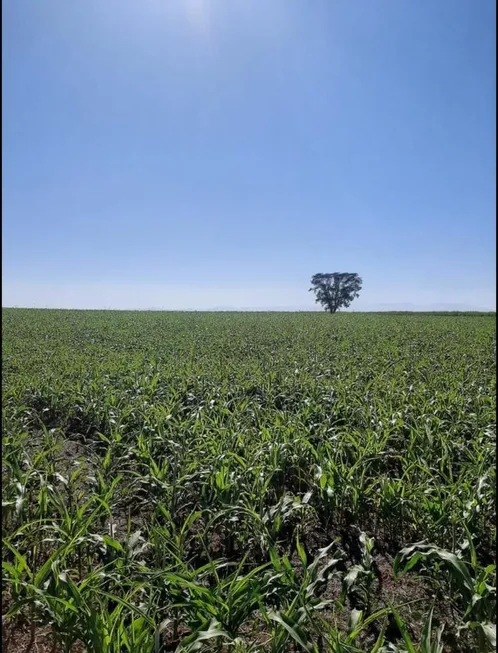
(335, 290)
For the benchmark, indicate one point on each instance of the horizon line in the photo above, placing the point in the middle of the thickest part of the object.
(250, 310)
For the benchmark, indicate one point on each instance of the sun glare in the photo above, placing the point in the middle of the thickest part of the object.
(196, 14)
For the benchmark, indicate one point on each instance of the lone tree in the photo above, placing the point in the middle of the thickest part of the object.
(335, 290)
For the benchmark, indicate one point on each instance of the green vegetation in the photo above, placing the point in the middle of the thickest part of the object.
(249, 482)
(335, 290)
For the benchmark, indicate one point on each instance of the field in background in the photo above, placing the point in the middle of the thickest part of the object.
(249, 482)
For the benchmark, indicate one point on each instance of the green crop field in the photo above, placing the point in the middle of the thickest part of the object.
(248, 481)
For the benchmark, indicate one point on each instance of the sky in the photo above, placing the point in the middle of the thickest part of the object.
(201, 154)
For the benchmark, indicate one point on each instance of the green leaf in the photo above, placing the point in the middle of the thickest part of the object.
(455, 565)
(381, 637)
(293, 629)
(355, 620)
(114, 544)
(425, 644)
(404, 632)
(301, 551)
(194, 641)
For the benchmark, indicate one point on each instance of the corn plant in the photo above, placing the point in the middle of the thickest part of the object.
(474, 595)
(174, 481)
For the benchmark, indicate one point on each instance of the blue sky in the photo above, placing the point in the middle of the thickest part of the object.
(204, 153)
